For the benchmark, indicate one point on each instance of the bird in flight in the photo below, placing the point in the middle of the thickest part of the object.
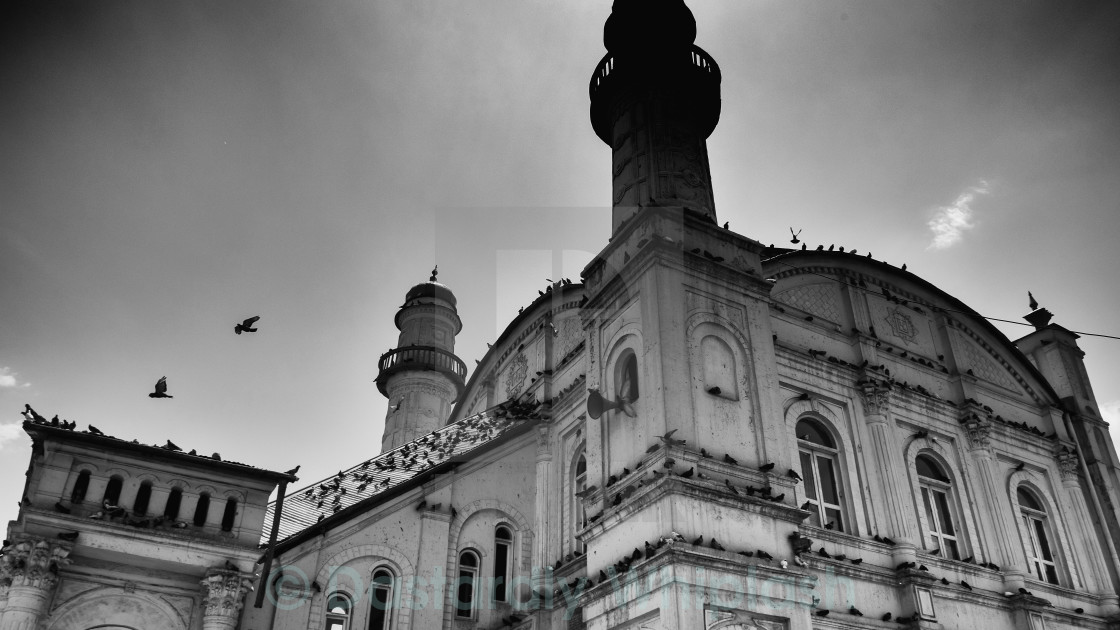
(795, 240)
(161, 389)
(247, 325)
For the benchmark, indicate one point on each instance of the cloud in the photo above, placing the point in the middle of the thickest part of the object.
(950, 222)
(9, 433)
(8, 378)
(1110, 411)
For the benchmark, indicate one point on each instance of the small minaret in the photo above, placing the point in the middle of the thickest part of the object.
(421, 377)
(655, 99)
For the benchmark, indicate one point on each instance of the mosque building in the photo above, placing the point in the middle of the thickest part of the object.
(701, 433)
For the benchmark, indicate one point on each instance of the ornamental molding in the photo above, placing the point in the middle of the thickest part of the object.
(876, 396)
(33, 563)
(223, 592)
(1068, 465)
(515, 377)
(902, 326)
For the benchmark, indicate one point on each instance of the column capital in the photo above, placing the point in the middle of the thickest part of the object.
(876, 395)
(544, 433)
(223, 595)
(1068, 466)
(33, 562)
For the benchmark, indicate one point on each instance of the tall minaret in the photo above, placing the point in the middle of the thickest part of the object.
(655, 100)
(421, 377)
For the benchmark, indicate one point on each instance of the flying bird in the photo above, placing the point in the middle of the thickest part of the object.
(795, 240)
(247, 325)
(161, 389)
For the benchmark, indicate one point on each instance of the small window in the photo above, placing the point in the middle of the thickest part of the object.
(1036, 526)
(81, 486)
(628, 378)
(820, 470)
(466, 585)
(579, 484)
(229, 515)
(938, 507)
(143, 498)
(338, 612)
(503, 541)
(381, 606)
(174, 499)
(201, 509)
(113, 490)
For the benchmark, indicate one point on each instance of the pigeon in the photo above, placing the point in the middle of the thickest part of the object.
(765, 556)
(292, 471)
(795, 240)
(730, 460)
(68, 536)
(966, 585)
(171, 446)
(60, 508)
(715, 391)
(94, 430)
(766, 467)
(669, 440)
(161, 389)
(247, 325)
(886, 617)
(792, 474)
(855, 611)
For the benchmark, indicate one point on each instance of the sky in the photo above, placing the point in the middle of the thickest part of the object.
(169, 168)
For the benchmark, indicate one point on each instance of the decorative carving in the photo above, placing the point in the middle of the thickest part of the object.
(876, 396)
(983, 367)
(129, 587)
(738, 620)
(902, 326)
(1068, 465)
(821, 300)
(515, 377)
(34, 563)
(979, 433)
(223, 592)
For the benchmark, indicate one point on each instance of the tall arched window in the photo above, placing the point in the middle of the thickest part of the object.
(719, 367)
(1040, 554)
(174, 499)
(229, 514)
(201, 509)
(578, 512)
(466, 584)
(939, 507)
(628, 378)
(81, 486)
(338, 612)
(143, 497)
(503, 545)
(113, 490)
(381, 606)
(820, 469)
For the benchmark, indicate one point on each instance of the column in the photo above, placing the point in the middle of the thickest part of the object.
(893, 507)
(223, 595)
(1006, 553)
(1094, 576)
(32, 565)
(541, 521)
(430, 602)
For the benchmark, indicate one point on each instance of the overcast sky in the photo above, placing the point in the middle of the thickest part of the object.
(168, 168)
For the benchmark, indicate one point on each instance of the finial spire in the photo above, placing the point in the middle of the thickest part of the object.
(1033, 302)
(435, 271)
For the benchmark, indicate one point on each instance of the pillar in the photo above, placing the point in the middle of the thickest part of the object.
(893, 507)
(541, 522)
(32, 566)
(223, 595)
(1094, 576)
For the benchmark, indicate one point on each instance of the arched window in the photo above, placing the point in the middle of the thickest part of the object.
(338, 612)
(381, 606)
(1040, 555)
(174, 499)
(81, 486)
(820, 469)
(201, 509)
(503, 544)
(939, 507)
(719, 367)
(113, 490)
(579, 513)
(628, 377)
(143, 497)
(466, 584)
(229, 514)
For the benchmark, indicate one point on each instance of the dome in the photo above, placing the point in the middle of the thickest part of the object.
(635, 24)
(431, 289)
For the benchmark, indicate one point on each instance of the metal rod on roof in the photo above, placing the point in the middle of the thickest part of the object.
(271, 544)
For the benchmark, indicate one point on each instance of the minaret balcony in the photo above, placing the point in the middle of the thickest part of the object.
(420, 358)
(691, 70)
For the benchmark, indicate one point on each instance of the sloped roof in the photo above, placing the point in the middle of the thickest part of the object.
(377, 478)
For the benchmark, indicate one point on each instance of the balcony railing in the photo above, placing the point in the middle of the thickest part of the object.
(420, 358)
(697, 58)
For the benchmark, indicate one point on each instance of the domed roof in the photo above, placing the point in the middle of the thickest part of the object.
(431, 289)
(635, 24)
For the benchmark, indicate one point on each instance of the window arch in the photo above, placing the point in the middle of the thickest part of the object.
(201, 509)
(174, 500)
(939, 507)
(143, 498)
(1039, 540)
(821, 470)
(466, 586)
(720, 374)
(579, 512)
(81, 486)
(338, 612)
(381, 599)
(503, 548)
(627, 377)
(113, 490)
